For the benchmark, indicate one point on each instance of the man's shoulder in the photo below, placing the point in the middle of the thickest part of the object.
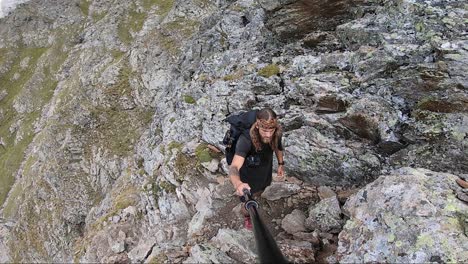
(245, 140)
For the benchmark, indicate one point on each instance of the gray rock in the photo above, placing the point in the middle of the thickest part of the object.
(212, 166)
(3, 94)
(111, 96)
(278, 190)
(237, 242)
(325, 216)
(325, 192)
(321, 158)
(139, 253)
(4, 231)
(117, 246)
(410, 215)
(297, 251)
(311, 237)
(206, 253)
(294, 222)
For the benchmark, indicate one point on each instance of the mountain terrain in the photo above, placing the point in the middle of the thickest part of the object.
(112, 113)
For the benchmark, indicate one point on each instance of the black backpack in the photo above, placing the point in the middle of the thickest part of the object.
(240, 124)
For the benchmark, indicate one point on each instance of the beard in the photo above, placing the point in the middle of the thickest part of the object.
(266, 140)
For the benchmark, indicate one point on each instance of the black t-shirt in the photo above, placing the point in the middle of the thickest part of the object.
(258, 166)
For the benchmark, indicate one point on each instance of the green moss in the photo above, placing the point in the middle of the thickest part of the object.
(167, 186)
(189, 99)
(419, 27)
(117, 54)
(162, 149)
(124, 34)
(451, 206)
(98, 16)
(84, 6)
(172, 120)
(174, 145)
(202, 152)
(424, 240)
(137, 19)
(269, 70)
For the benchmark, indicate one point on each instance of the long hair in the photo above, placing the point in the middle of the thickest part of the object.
(266, 114)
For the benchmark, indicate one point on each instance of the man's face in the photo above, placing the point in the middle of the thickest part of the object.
(266, 134)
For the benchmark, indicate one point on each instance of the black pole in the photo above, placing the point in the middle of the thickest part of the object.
(267, 248)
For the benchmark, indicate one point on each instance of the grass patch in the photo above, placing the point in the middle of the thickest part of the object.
(169, 43)
(162, 6)
(183, 165)
(11, 155)
(174, 145)
(127, 197)
(137, 19)
(124, 34)
(189, 99)
(184, 27)
(117, 54)
(167, 187)
(175, 32)
(234, 76)
(132, 23)
(269, 70)
(118, 129)
(84, 6)
(98, 16)
(28, 240)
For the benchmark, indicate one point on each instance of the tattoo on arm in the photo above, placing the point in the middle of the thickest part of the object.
(233, 171)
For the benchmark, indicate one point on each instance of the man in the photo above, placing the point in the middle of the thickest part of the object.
(251, 167)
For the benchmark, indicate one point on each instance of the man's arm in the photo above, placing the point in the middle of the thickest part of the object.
(279, 157)
(234, 175)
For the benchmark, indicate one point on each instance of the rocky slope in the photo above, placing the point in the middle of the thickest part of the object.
(109, 111)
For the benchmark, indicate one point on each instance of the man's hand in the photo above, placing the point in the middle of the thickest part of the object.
(240, 188)
(281, 172)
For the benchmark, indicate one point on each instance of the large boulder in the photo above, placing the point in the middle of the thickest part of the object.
(294, 222)
(325, 216)
(238, 244)
(409, 216)
(206, 253)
